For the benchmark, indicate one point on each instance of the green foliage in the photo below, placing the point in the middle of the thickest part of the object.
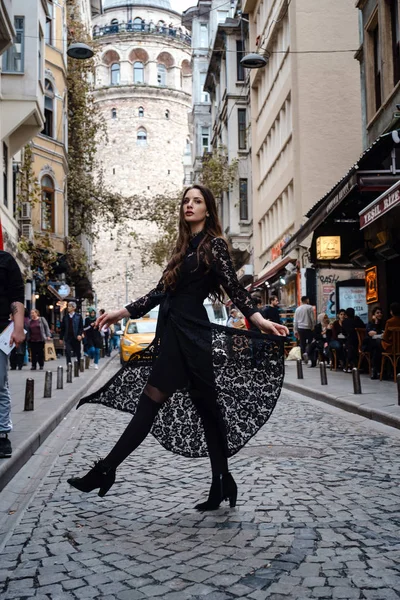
(28, 186)
(216, 173)
(43, 258)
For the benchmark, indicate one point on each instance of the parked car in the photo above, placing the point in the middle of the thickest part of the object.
(137, 335)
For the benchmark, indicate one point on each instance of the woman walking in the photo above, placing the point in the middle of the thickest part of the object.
(200, 388)
(93, 337)
(38, 332)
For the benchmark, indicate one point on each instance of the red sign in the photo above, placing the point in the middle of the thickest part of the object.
(381, 206)
(276, 251)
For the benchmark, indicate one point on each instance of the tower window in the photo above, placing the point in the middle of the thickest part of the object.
(113, 113)
(138, 72)
(141, 112)
(115, 74)
(161, 74)
(167, 114)
(141, 137)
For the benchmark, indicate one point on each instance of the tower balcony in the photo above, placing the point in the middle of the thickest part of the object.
(142, 28)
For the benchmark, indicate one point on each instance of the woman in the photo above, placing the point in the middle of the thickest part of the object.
(236, 320)
(373, 340)
(38, 332)
(198, 394)
(338, 338)
(93, 337)
(321, 336)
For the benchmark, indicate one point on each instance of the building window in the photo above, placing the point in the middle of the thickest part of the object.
(377, 67)
(242, 129)
(114, 26)
(48, 36)
(239, 55)
(167, 114)
(141, 137)
(203, 35)
(204, 96)
(395, 26)
(161, 74)
(205, 139)
(243, 200)
(141, 112)
(138, 72)
(138, 24)
(113, 113)
(5, 175)
(13, 58)
(40, 55)
(48, 109)
(115, 74)
(47, 208)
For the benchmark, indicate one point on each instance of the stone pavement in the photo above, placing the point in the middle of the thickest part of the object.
(31, 428)
(378, 401)
(318, 516)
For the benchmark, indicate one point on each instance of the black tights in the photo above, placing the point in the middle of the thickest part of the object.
(139, 427)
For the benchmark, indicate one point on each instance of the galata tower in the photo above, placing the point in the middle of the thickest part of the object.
(143, 84)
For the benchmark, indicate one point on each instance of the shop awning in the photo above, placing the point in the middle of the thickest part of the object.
(272, 271)
(343, 188)
(380, 206)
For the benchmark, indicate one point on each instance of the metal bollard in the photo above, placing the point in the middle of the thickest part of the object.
(87, 362)
(356, 381)
(47, 384)
(76, 369)
(29, 394)
(82, 365)
(398, 389)
(299, 369)
(60, 378)
(69, 373)
(322, 370)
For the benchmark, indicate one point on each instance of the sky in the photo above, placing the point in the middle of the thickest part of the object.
(181, 5)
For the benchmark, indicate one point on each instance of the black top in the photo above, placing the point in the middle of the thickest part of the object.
(349, 329)
(11, 286)
(92, 334)
(378, 327)
(196, 281)
(271, 313)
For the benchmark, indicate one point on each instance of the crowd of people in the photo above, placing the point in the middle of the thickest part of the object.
(320, 338)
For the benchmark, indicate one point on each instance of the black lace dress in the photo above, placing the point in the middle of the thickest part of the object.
(242, 369)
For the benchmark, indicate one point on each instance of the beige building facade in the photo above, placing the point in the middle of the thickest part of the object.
(305, 116)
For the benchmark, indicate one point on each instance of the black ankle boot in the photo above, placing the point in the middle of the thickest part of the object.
(223, 487)
(98, 477)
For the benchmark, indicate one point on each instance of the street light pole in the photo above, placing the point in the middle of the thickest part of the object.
(126, 284)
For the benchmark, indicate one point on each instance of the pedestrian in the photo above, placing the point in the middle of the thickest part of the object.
(72, 333)
(11, 302)
(193, 401)
(350, 326)
(37, 334)
(303, 325)
(320, 342)
(373, 340)
(271, 311)
(394, 321)
(114, 337)
(105, 331)
(93, 337)
(236, 320)
(338, 338)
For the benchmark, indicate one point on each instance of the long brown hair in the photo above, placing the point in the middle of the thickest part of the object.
(212, 229)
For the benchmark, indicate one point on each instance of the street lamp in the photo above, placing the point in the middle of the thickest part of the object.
(253, 61)
(80, 51)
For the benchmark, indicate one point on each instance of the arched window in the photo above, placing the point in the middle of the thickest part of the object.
(138, 24)
(138, 72)
(96, 30)
(161, 74)
(141, 137)
(141, 112)
(48, 108)
(115, 74)
(114, 26)
(167, 114)
(47, 207)
(113, 113)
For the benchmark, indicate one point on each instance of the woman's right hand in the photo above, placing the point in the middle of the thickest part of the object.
(109, 318)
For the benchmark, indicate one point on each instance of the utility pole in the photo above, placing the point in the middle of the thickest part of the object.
(126, 284)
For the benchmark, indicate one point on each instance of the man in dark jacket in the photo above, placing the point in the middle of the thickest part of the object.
(350, 325)
(11, 302)
(71, 332)
(271, 311)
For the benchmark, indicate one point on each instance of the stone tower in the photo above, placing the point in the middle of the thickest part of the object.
(143, 89)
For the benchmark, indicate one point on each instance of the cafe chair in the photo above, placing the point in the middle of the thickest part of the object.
(362, 354)
(394, 355)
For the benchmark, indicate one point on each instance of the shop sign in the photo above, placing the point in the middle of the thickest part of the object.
(371, 285)
(328, 247)
(276, 251)
(381, 206)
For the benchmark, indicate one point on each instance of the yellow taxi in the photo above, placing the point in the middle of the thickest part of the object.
(138, 334)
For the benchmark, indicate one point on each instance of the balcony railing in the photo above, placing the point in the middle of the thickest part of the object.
(143, 28)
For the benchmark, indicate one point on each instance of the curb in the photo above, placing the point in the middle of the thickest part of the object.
(10, 467)
(375, 414)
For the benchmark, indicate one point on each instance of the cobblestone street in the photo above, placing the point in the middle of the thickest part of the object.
(318, 516)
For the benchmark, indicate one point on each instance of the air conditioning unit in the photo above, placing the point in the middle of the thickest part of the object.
(26, 210)
(363, 257)
(27, 231)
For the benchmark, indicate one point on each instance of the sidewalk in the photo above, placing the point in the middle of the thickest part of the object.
(31, 428)
(378, 400)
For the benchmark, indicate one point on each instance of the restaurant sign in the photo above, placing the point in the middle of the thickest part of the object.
(380, 206)
(276, 251)
(371, 285)
(328, 247)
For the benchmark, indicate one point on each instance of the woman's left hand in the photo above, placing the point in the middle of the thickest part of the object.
(268, 326)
